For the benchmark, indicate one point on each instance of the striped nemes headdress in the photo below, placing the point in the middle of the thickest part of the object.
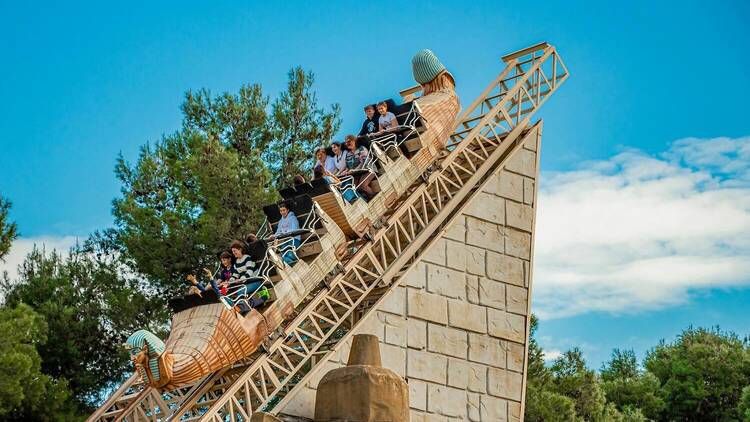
(135, 344)
(426, 66)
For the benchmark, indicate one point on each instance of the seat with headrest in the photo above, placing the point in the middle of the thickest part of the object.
(288, 192)
(319, 187)
(257, 250)
(272, 213)
(303, 189)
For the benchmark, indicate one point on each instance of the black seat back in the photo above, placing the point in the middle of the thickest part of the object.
(303, 189)
(272, 213)
(302, 205)
(319, 187)
(257, 250)
(288, 192)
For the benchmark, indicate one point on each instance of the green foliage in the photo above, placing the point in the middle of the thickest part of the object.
(90, 308)
(8, 230)
(184, 200)
(298, 126)
(547, 406)
(571, 378)
(701, 375)
(190, 194)
(26, 394)
(628, 387)
(743, 408)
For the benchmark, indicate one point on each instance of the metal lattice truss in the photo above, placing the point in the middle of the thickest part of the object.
(487, 132)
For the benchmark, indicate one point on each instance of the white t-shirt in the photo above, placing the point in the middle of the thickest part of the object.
(388, 120)
(339, 162)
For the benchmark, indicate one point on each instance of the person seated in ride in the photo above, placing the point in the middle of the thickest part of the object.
(339, 158)
(347, 193)
(218, 281)
(370, 125)
(355, 160)
(324, 161)
(387, 120)
(298, 179)
(287, 224)
(243, 274)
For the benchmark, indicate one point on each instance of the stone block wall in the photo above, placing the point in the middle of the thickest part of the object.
(456, 325)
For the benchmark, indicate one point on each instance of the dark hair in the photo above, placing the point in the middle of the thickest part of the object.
(383, 103)
(369, 107)
(337, 143)
(225, 254)
(318, 172)
(285, 204)
(237, 244)
(251, 237)
(299, 179)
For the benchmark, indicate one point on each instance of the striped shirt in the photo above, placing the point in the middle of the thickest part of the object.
(243, 268)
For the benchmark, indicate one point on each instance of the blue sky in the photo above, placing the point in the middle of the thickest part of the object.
(82, 83)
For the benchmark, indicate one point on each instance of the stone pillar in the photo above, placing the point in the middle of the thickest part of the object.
(362, 391)
(456, 326)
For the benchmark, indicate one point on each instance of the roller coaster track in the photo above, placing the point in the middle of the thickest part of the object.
(488, 131)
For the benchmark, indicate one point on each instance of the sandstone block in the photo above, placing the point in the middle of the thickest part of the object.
(485, 206)
(516, 355)
(416, 331)
(505, 384)
(303, 404)
(427, 306)
(530, 143)
(371, 325)
(458, 373)
(427, 366)
(435, 253)
(506, 184)
(528, 191)
(463, 257)
(395, 330)
(514, 411)
(393, 358)
(519, 216)
(446, 282)
(472, 401)
(505, 268)
(506, 325)
(446, 401)
(485, 234)
(517, 300)
(417, 276)
(464, 315)
(491, 293)
(417, 416)
(457, 230)
(447, 341)
(518, 244)
(418, 394)
(395, 303)
(487, 350)
(472, 288)
(522, 162)
(477, 378)
(493, 409)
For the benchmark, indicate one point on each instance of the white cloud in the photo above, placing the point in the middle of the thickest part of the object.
(22, 246)
(550, 355)
(639, 232)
